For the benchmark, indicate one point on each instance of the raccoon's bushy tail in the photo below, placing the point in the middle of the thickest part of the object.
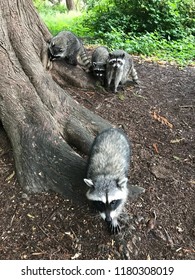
(134, 74)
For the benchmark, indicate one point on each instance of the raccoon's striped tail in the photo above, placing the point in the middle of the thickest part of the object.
(83, 59)
(133, 74)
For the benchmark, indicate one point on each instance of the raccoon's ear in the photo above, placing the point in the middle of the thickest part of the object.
(123, 55)
(122, 183)
(88, 182)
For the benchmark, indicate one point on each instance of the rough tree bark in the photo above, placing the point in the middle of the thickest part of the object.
(70, 5)
(44, 124)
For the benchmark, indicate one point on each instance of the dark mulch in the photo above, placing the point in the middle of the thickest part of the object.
(160, 223)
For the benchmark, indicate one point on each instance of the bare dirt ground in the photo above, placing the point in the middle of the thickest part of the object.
(159, 118)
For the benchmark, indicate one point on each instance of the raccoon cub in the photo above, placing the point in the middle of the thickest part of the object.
(99, 60)
(107, 175)
(66, 45)
(119, 67)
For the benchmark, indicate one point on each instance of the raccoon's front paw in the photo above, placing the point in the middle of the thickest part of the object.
(114, 227)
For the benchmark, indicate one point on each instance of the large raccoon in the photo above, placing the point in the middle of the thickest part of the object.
(99, 60)
(107, 175)
(66, 45)
(119, 67)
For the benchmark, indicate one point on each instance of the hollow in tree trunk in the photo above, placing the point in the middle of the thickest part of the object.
(44, 124)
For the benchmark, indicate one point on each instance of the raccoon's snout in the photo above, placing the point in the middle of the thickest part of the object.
(108, 219)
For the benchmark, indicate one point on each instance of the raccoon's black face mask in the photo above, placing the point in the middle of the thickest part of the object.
(107, 208)
(103, 207)
(99, 69)
(116, 61)
(56, 51)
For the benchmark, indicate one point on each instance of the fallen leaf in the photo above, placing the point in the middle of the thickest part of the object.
(148, 257)
(76, 256)
(121, 96)
(192, 182)
(139, 95)
(155, 148)
(161, 119)
(10, 176)
(179, 228)
(30, 216)
(37, 254)
(189, 250)
(152, 222)
(177, 158)
(158, 233)
(177, 140)
(169, 239)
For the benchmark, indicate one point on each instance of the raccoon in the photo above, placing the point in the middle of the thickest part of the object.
(66, 45)
(107, 175)
(119, 67)
(99, 60)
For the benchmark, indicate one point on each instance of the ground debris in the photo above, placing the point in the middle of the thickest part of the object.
(57, 229)
(161, 119)
(150, 225)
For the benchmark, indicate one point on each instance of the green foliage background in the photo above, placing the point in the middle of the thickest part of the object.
(164, 29)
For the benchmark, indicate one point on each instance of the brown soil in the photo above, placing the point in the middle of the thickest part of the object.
(160, 223)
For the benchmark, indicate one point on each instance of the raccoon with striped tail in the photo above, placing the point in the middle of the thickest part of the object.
(98, 60)
(66, 45)
(119, 67)
(107, 172)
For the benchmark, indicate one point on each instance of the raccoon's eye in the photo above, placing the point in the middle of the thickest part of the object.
(99, 205)
(115, 203)
(120, 63)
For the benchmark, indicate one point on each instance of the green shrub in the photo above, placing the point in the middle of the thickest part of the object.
(106, 25)
(173, 19)
(46, 7)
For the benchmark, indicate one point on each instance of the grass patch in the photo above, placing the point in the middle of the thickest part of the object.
(71, 21)
(152, 45)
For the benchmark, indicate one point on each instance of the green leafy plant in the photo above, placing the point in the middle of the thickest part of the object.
(144, 31)
(171, 18)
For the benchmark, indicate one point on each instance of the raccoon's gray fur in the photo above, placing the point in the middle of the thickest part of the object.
(107, 175)
(99, 59)
(119, 67)
(66, 45)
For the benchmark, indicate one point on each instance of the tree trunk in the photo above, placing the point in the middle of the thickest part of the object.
(70, 5)
(48, 130)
